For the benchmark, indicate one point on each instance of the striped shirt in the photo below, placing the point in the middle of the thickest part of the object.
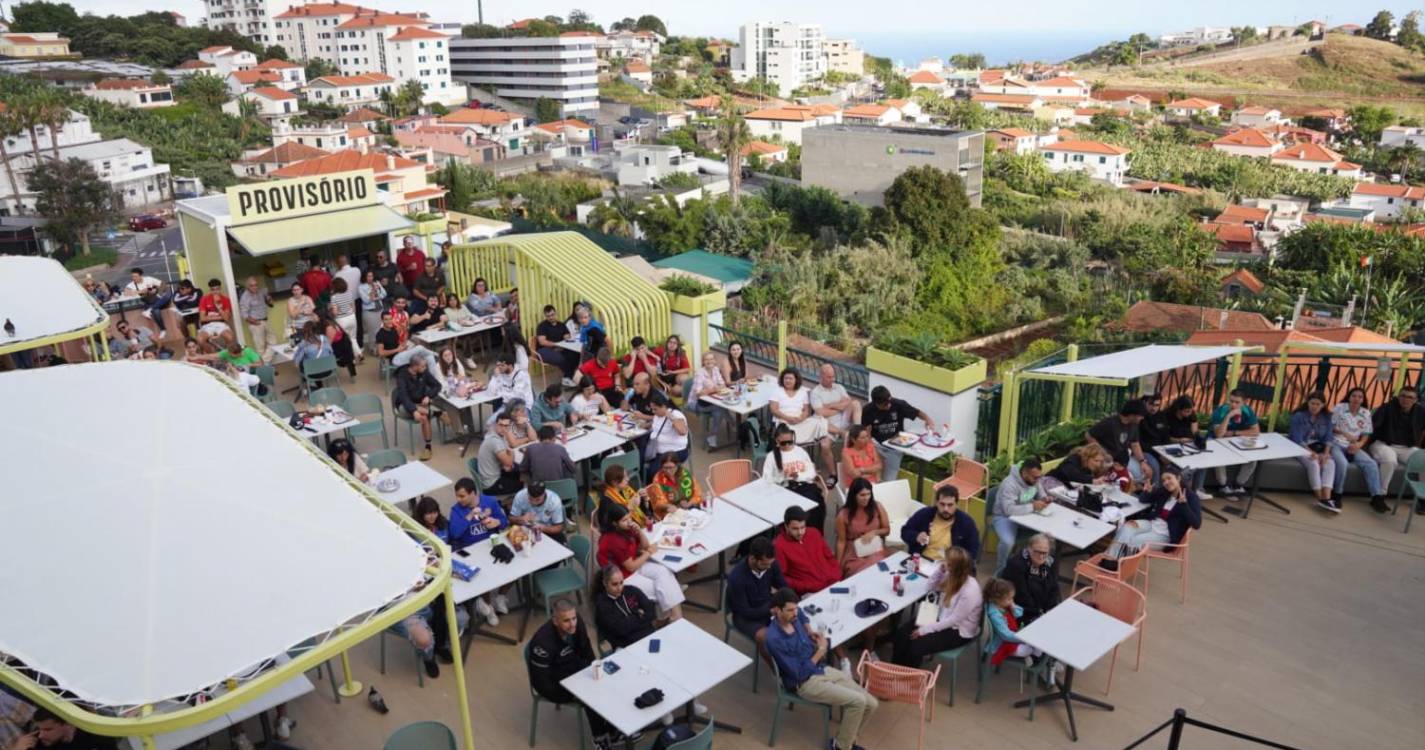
(344, 303)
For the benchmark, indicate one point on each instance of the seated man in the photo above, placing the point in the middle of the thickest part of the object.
(393, 344)
(547, 460)
(152, 291)
(1118, 434)
(886, 419)
(509, 382)
(47, 730)
(604, 372)
(239, 356)
(428, 631)
(547, 339)
(558, 649)
(1397, 430)
(496, 460)
(1232, 419)
(806, 560)
(215, 318)
(415, 387)
(551, 409)
(750, 586)
(473, 518)
(932, 531)
(1018, 494)
(540, 508)
(185, 302)
(1036, 582)
(131, 343)
(640, 359)
(798, 653)
(830, 400)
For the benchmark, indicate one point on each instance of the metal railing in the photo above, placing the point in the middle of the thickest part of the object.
(768, 351)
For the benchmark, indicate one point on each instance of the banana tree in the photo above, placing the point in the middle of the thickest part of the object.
(10, 126)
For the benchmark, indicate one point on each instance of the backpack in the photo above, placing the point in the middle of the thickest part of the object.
(672, 736)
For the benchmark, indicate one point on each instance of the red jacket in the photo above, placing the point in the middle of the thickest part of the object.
(316, 281)
(808, 565)
(412, 263)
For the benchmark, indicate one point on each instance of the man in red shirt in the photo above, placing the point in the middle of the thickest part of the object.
(640, 358)
(806, 560)
(215, 318)
(411, 262)
(316, 281)
(604, 371)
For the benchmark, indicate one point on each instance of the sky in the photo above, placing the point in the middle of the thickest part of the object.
(1117, 17)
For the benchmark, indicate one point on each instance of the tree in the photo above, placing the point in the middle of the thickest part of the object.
(465, 183)
(205, 91)
(1368, 121)
(1403, 159)
(616, 216)
(1409, 35)
(10, 126)
(925, 203)
(546, 109)
(1242, 34)
(45, 106)
(73, 200)
(481, 31)
(970, 61)
(274, 52)
(651, 23)
(319, 67)
(627, 23)
(579, 17)
(733, 135)
(159, 77)
(408, 98)
(43, 16)
(1379, 27)
(539, 27)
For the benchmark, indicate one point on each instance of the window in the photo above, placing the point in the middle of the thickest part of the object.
(1078, 158)
(1102, 160)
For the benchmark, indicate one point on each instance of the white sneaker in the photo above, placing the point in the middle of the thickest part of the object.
(484, 610)
(1204, 495)
(712, 444)
(502, 605)
(568, 383)
(285, 725)
(699, 709)
(241, 742)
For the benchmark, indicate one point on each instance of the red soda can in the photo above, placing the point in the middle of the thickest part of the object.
(896, 584)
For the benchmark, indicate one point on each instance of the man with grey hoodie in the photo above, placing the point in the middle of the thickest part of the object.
(1018, 494)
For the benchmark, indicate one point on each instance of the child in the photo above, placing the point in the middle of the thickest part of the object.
(1003, 642)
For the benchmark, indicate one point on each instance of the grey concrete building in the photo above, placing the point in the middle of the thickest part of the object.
(859, 162)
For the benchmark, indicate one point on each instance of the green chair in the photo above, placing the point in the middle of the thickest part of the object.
(728, 629)
(422, 735)
(472, 465)
(364, 405)
(562, 579)
(700, 741)
(306, 646)
(387, 459)
(283, 409)
(1033, 672)
(568, 492)
(327, 397)
(536, 699)
(951, 656)
(318, 368)
(1414, 478)
(791, 700)
(267, 377)
(412, 425)
(630, 463)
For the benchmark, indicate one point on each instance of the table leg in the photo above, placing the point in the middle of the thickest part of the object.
(691, 719)
(719, 576)
(1252, 495)
(1068, 696)
(1215, 514)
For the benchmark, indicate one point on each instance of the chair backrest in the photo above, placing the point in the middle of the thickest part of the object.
(703, 740)
(266, 374)
(283, 409)
(1118, 599)
(893, 682)
(895, 497)
(566, 489)
(970, 471)
(1128, 566)
(630, 463)
(582, 548)
(318, 366)
(726, 476)
(362, 404)
(387, 459)
(422, 735)
(328, 397)
(1415, 472)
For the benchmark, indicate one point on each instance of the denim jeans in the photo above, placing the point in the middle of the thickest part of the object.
(891, 462)
(1007, 533)
(1135, 469)
(1368, 466)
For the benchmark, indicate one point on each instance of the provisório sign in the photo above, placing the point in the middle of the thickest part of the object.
(301, 196)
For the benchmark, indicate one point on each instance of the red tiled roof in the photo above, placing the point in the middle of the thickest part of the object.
(358, 132)
(1235, 214)
(481, 116)
(274, 93)
(637, 66)
(361, 79)
(925, 76)
(1023, 99)
(1403, 192)
(1255, 110)
(275, 64)
(1246, 279)
(194, 65)
(344, 161)
(762, 148)
(320, 9)
(1014, 132)
(1250, 137)
(380, 19)
(1062, 82)
(426, 192)
(787, 114)
(1308, 152)
(1086, 147)
(254, 76)
(867, 111)
(899, 103)
(415, 32)
(215, 49)
(287, 153)
(362, 114)
(1148, 186)
(558, 126)
(1193, 103)
(1231, 233)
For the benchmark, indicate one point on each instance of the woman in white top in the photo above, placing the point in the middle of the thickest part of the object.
(343, 307)
(791, 405)
(707, 381)
(373, 301)
(588, 402)
(668, 434)
(789, 465)
(1351, 431)
(301, 309)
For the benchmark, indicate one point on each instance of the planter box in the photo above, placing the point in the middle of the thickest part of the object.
(694, 306)
(929, 376)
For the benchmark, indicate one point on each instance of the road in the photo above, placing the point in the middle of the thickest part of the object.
(154, 251)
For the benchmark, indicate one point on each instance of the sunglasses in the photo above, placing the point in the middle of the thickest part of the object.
(786, 444)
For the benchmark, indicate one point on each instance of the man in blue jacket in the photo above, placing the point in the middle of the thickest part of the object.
(473, 518)
(750, 586)
(934, 530)
(798, 651)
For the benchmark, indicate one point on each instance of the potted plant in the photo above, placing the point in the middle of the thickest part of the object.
(922, 359)
(690, 296)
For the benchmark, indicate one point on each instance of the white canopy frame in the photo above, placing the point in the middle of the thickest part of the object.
(46, 305)
(1329, 347)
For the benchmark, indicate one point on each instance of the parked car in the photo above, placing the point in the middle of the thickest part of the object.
(145, 222)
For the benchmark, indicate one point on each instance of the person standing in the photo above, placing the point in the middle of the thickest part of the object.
(411, 262)
(1397, 431)
(343, 311)
(799, 652)
(373, 300)
(253, 304)
(886, 418)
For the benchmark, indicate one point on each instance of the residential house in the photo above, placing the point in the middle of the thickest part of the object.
(361, 137)
(362, 116)
(36, 44)
(1193, 107)
(414, 122)
(924, 79)
(1292, 134)
(225, 59)
(910, 110)
(328, 136)
(505, 128)
(1336, 120)
(1241, 283)
(274, 106)
(402, 182)
(1197, 37)
(768, 153)
(844, 56)
(290, 75)
(1311, 157)
(576, 135)
(1101, 161)
(1131, 103)
(1249, 215)
(784, 54)
(447, 148)
(1084, 115)
(638, 73)
(1014, 102)
(1060, 89)
(194, 67)
(1235, 242)
(1387, 201)
(262, 162)
(128, 168)
(1247, 142)
(77, 129)
(627, 44)
(132, 92)
(1018, 140)
(242, 81)
(1151, 187)
(1257, 117)
(1399, 135)
(350, 91)
(1286, 211)
(786, 123)
(1146, 316)
(871, 114)
(639, 164)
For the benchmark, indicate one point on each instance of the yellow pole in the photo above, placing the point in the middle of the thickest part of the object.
(456, 652)
(1014, 420)
(349, 688)
(1006, 395)
(781, 345)
(1234, 373)
(1277, 389)
(703, 337)
(1066, 406)
(1399, 381)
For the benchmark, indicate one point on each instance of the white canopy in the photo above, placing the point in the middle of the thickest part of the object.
(42, 300)
(160, 532)
(1135, 363)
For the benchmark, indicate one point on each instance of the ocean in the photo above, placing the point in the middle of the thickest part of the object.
(998, 47)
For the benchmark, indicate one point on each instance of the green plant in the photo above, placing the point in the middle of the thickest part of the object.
(925, 347)
(686, 286)
(98, 256)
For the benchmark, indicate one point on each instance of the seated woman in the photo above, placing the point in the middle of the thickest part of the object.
(859, 457)
(312, 345)
(789, 465)
(301, 309)
(428, 515)
(957, 622)
(790, 404)
(588, 403)
(482, 301)
(624, 544)
(1172, 510)
(861, 529)
(341, 452)
(708, 381)
(617, 490)
(1311, 429)
(673, 486)
(1085, 464)
(673, 365)
(623, 614)
(454, 312)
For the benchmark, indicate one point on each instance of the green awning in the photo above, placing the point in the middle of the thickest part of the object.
(732, 272)
(318, 229)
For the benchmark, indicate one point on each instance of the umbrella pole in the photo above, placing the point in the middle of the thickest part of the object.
(459, 664)
(349, 688)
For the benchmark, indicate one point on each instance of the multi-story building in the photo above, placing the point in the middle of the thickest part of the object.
(225, 60)
(843, 56)
(274, 106)
(1399, 135)
(132, 92)
(78, 129)
(1101, 161)
(524, 69)
(290, 75)
(860, 162)
(350, 91)
(788, 124)
(127, 166)
(35, 44)
(786, 55)
(644, 45)
(507, 129)
(1316, 159)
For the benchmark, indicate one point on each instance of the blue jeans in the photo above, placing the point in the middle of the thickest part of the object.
(891, 462)
(1007, 533)
(1135, 469)
(155, 308)
(1368, 466)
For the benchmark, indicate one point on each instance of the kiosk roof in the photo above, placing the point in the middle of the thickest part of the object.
(42, 301)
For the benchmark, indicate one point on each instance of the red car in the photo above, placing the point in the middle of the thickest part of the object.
(145, 222)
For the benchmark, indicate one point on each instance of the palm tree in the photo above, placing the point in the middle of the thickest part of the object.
(26, 111)
(734, 135)
(1403, 157)
(53, 113)
(10, 126)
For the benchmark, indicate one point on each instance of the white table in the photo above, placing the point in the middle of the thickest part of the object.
(753, 401)
(602, 424)
(321, 427)
(472, 404)
(925, 453)
(838, 611)
(592, 443)
(689, 663)
(494, 575)
(765, 499)
(435, 336)
(415, 478)
(288, 691)
(1077, 635)
(281, 353)
(1111, 493)
(1223, 452)
(1078, 530)
(728, 527)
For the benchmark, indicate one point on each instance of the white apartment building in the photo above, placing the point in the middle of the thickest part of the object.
(1101, 161)
(274, 106)
(1399, 135)
(644, 45)
(787, 123)
(77, 130)
(843, 56)
(253, 19)
(327, 136)
(290, 75)
(787, 55)
(132, 92)
(127, 166)
(350, 91)
(1199, 35)
(563, 68)
(226, 59)
(509, 130)
(1387, 200)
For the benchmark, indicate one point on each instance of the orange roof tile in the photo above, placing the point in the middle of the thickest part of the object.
(706, 102)
(1249, 137)
(1308, 152)
(272, 92)
(275, 64)
(360, 79)
(362, 114)
(1235, 214)
(637, 66)
(480, 116)
(1014, 132)
(1149, 186)
(762, 148)
(1231, 233)
(1062, 82)
(251, 77)
(320, 9)
(867, 111)
(215, 49)
(380, 19)
(1146, 315)
(1403, 192)
(344, 161)
(194, 65)
(358, 132)
(287, 153)
(415, 32)
(925, 76)
(784, 113)
(1086, 147)
(558, 126)
(1022, 99)
(1193, 103)
(899, 103)
(425, 192)
(1245, 279)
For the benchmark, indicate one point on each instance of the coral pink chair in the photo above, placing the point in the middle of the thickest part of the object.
(726, 476)
(969, 478)
(1119, 600)
(1129, 569)
(1176, 552)
(892, 682)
